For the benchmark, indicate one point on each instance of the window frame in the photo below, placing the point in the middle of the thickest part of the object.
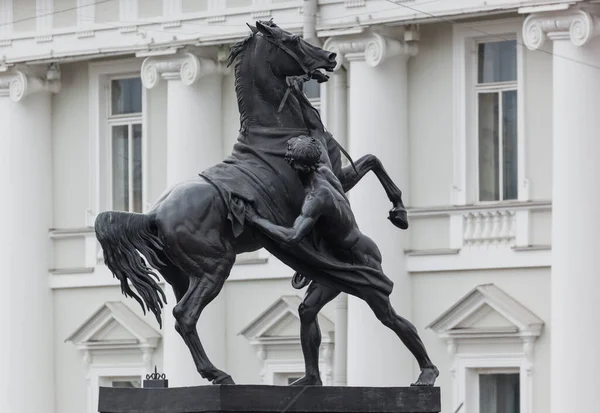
(99, 374)
(468, 367)
(495, 87)
(466, 36)
(129, 120)
(100, 170)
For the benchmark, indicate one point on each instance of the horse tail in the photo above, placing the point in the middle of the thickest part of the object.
(123, 237)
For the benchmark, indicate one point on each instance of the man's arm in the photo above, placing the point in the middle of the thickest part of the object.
(311, 211)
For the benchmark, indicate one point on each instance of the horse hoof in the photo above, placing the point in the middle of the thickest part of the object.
(399, 217)
(223, 380)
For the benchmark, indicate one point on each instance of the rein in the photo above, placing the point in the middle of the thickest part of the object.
(293, 85)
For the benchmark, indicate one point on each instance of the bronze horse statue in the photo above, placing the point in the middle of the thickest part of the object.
(193, 233)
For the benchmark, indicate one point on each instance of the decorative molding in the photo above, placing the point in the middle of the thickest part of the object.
(260, 14)
(95, 333)
(216, 19)
(489, 228)
(171, 24)
(128, 29)
(17, 85)
(186, 67)
(463, 319)
(439, 211)
(354, 3)
(85, 34)
(43, 39)
(372, 48)
(500, 333)
(579, 26)
(479, 259)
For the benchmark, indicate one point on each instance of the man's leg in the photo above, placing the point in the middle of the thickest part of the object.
(406, 331)
(316, 297)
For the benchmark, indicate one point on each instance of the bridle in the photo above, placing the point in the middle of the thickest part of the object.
(294, 83)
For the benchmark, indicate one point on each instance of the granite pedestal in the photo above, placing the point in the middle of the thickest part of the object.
(266, 399)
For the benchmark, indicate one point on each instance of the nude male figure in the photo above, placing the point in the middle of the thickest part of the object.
(327, 210)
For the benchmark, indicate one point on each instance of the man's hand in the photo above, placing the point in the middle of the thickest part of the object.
(251, 215)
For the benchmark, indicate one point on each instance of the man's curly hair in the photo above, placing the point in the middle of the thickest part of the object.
(304, 152)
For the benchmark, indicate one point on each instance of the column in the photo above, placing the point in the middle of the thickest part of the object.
(26, 307)
(377, 124)
(575, 283)
(194, 142)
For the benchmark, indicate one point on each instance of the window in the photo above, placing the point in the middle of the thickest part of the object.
(488, 112)
(125, 129)
(499, 393)
(497, 132)
(124, 382)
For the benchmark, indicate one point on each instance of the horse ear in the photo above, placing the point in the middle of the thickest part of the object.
(265, 29)
(254, 29)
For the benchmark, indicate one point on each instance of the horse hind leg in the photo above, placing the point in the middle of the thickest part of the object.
(201, 291)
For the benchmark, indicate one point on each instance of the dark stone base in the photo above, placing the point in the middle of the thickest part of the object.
(276, 399)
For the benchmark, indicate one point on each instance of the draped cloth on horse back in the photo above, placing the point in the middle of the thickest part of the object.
(257, 173)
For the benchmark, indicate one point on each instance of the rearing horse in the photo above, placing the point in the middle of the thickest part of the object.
(193, 233)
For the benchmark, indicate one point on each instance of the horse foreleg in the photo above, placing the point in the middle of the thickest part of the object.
(350, 177)
(201, 291)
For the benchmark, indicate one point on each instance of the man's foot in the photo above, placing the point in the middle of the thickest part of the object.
(427, 377)
(223, 379)
(399, 217)
(308, 381)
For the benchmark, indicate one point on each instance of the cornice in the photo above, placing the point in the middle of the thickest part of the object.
(372, 48)
(579, 26)
(186, 67)
(16, 84)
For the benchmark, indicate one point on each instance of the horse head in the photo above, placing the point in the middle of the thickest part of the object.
(294, 56)
(266, 59)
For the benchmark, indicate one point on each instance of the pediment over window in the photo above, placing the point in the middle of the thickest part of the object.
(275, 336)
(114, 326)
(487, 311)
(280, 324)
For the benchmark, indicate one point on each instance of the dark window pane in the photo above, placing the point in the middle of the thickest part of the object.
(497, 61)
(137, 168)
(509, 144)
(488, 147)
(499, 393)
(312, 89)
(130, 384)
(126, 96)
(120, 168)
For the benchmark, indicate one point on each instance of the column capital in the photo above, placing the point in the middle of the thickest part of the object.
(186, 67)
(579, 26)
(372, 48)
(17, 84)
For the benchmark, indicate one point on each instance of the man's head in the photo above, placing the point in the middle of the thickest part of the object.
(303, 153)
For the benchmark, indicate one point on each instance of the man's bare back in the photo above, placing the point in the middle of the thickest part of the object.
(326, 209)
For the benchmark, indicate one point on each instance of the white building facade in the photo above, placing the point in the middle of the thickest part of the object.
(483, 113)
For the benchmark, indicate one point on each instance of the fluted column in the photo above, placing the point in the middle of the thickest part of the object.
(194, 142)
(26, 308)
(575, 197)
(377, 124)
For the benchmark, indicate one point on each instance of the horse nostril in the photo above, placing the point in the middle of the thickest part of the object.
(332, 57)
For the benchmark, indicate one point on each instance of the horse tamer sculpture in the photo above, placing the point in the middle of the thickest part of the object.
(193, 233)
